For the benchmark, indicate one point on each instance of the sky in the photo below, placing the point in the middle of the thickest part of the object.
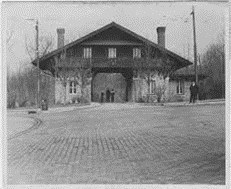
(79, 19)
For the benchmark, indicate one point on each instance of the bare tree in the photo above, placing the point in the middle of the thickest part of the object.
(160, 90)
(213, 65)
(46, 44)
(72, 68)
(146, 72)
(62, 71)
(82, 73)
(21, 87)
(155, 64)
(8, 40)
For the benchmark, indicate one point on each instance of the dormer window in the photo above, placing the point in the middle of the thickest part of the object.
(111, 52)
(136, 53)
(87, 52)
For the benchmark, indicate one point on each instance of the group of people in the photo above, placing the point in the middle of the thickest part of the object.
(110, 96)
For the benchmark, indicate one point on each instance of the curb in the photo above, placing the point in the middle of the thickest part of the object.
(55, 111)
(33, 127)
(196, 104)
(180, 104)
(77, 108)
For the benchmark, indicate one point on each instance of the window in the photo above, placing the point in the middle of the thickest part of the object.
(180, 87)
(112, 53)
(136, 53)
(87, 52)
(152, 86)
(72, 87)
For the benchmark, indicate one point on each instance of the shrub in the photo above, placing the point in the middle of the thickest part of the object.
(86, 101)
(75, 99)
(59, 103)
(11, 103)
(142, 99)
(23, 103)
(180, 100)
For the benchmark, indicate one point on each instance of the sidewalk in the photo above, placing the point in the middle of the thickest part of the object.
(66, 109)
(199, 102)
(185, 103)
(54, 109)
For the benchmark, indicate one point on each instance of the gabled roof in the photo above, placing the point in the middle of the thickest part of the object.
(113, 24)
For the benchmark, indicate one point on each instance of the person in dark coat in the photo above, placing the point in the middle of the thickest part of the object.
(193, 92)
(112, 95)
(108, 95)
(102, 97)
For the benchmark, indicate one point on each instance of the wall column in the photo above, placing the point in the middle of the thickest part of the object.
(94, 73)
(129, 88)
(128, 74)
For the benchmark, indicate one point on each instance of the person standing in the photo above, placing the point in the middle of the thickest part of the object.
(108, 95)
(102, 97)
(193, 92)
(112, 95)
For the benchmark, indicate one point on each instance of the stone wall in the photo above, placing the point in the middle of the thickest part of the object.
(116, 81)
(70, 98)
(59, 91)
(172, 93)
(47, 88)
(141, 88)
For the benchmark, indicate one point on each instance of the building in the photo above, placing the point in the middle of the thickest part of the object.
(115, 58)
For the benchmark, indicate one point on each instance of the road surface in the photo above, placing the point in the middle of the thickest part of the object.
(122, 144)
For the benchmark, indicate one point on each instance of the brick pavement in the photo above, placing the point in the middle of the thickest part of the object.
(140, 145)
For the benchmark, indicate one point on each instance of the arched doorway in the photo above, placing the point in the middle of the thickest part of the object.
(103, 82)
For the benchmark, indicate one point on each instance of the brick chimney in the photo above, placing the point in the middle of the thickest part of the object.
(161, 36)
(60, 32)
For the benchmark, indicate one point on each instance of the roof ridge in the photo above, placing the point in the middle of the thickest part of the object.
(97, 31)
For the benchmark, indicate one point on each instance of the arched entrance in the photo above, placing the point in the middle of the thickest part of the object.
(105, 83)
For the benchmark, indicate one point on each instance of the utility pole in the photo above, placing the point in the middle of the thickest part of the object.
(195, 45)
(37, 60)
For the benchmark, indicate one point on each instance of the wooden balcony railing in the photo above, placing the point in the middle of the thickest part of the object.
(120, 62)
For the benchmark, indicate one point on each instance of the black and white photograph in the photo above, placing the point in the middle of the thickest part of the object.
(115, 93)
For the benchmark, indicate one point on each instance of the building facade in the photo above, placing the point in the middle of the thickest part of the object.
(114, 58)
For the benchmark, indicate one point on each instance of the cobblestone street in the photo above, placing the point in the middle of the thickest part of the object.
(122, 143)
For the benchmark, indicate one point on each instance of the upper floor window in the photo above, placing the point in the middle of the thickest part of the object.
(111, 52)
(87, 52)
(72, 87)
(136, 53)
(152, 86)
(180, 87)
